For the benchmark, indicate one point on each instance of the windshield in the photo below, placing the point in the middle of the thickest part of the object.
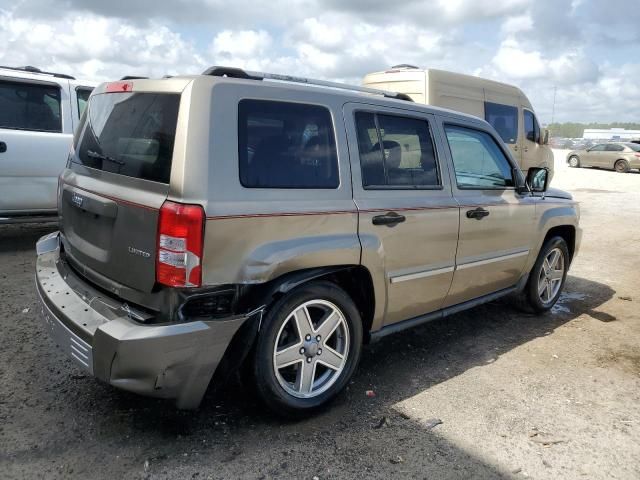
(130, 134)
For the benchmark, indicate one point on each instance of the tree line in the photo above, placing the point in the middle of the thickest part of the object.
(575, 130)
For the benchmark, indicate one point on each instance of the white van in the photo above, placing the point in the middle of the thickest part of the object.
(504, 106)
(38, 113)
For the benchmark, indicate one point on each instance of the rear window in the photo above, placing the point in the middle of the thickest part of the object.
(633, 146)
(28, 106)
(130, 134)
(286, 145)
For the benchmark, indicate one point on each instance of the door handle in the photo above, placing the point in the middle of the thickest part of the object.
(3, 147)
(390, 219)
(477, 213)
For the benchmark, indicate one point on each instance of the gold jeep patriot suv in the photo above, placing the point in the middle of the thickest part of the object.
(279, 223)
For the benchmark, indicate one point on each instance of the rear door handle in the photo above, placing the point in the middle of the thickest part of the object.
(477, 213)
(390, 219)
(3, 147)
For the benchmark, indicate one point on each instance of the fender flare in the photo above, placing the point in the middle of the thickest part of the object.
(258, 298)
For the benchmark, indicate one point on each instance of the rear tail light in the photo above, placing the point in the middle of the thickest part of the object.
(180, 243)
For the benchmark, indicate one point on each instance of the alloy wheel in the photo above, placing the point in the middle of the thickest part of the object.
(551, 275)
(311, 349)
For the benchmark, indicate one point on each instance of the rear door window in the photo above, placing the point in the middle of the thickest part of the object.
(130, 134)
(613, 147)
(395, 152)
(30, 106)
(478, 161)
(286, 145)
(504, 118)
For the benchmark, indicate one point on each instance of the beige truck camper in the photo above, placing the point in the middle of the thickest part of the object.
(504, 106)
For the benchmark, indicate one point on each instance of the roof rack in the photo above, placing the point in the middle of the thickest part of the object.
(232, 72)
(133, 77)
(30, 69)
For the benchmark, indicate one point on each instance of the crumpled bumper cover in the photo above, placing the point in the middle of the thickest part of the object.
(173, 361)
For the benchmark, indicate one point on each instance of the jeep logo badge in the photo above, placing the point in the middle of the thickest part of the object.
(77, 200)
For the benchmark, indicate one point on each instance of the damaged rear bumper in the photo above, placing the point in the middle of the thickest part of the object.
(173, 361)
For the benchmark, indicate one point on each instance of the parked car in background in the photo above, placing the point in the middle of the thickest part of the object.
(560, 142)
(619, 156)
(38, 113)
(505, 107)
(315, 220)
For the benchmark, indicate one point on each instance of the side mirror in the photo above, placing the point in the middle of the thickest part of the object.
(545, 137)
(537, 179)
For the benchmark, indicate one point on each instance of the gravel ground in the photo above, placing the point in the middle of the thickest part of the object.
(556, 396)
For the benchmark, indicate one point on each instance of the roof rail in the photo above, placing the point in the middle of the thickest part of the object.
(133, 77)
(406, 65)
(232, 72)
(30, 69)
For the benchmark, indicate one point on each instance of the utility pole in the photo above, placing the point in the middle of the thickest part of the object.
(553, 109)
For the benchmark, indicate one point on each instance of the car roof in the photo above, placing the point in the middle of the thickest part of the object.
(342, 92)
(33, 73)
(36, 71)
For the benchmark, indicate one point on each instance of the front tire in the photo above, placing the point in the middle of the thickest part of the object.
(621, 166)
(548, 275)
(307, 350)
(574, 161)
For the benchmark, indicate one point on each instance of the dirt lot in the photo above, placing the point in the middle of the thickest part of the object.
(519, 396)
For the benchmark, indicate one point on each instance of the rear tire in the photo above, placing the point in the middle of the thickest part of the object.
(621, 166)
(548, 275)
(313, 332)
(574, 161)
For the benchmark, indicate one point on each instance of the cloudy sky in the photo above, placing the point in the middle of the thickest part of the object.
(588, 49)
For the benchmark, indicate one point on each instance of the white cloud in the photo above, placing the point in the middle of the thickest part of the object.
(514, 62)
(243, 44)
(465, 9)
(535, 44)
(517, 24)
(573, 68)
(96, 48)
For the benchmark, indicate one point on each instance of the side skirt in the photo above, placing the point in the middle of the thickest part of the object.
(445, 312)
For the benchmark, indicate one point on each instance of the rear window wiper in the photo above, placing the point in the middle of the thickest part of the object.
(100, 156)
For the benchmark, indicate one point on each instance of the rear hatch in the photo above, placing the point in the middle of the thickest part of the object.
(116, 181)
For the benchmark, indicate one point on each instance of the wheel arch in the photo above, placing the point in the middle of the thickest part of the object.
(567, 232)
(356, 280)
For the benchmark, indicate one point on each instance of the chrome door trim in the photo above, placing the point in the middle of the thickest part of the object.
(499, 258)
(423, 274)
